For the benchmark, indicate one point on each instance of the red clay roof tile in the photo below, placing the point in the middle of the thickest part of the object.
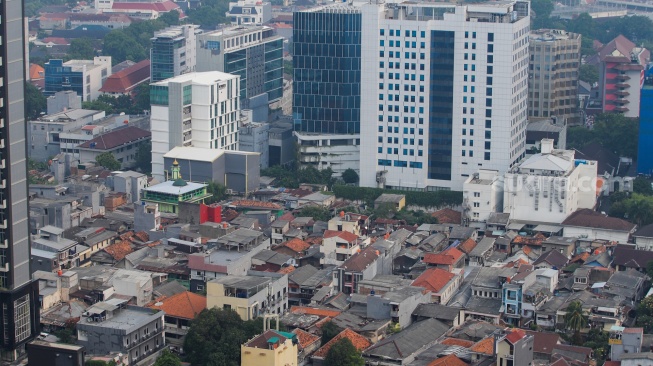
(448, 216)
(448, 360)
(356, 339)
(185, 305)
(119, 250)
(446, 257)
(433, 279)
(485, 346)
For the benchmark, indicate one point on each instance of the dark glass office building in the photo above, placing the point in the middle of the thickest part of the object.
(59, 77)
(327, 70)
(19, 310)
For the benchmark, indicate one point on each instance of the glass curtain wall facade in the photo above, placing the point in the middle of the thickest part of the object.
(327, 70)
(59, 77)
(645, 153)
(19, 310)
(163, 57)
(441, 104)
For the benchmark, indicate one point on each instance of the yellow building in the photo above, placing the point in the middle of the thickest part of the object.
(272, 348)
(249, 296)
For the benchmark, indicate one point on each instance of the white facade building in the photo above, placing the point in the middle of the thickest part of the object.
(335, 151)
(248, 12)
(482, 195)
(195, 109)
(443, 93)
(549, 186)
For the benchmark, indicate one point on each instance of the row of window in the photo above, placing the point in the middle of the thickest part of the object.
(395, 97)
(408, 55)
(406, 130)
(407, 33)
(406, 119)
(395, 151)
(400, 163)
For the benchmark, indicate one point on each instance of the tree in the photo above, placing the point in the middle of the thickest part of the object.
(167, 358)
(215, 336)
(144, 157)
(579, 136)
(575, 320)
(588, 74)
(170, 18)
(81, 49)
(350, 176)
(643, 186)
(99, 105)
(318, 213)
(343, 353)
(35, 102)
(107, 160)
(329, 330)
(141, 99)
(617, 133)
(122, 46)
(219, 192)
(649, 269)
(645, 314)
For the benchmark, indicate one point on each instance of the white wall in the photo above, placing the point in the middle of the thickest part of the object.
(593, 234)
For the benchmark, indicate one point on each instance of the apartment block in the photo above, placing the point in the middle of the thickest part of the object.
(195, 109)
(553, 75)
(444, 92)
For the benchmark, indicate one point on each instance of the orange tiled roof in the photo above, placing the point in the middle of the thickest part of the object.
(346, 235)
(257, 204)
(286, 270)
(119, 250)
(514, 336)
(448, 360)
(448, 216)
(356, 339)
(36, 72)
(314, 311)
(229, 214)
(449, 257)
(433, 279)
(296, 245)
(581, 257)
(305, 338)
(535, 240)
(457, 342)
(485, 345)
(185, 305)
(142, 236)
(467, 246)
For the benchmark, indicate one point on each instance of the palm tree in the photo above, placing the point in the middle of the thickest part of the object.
(575, 319)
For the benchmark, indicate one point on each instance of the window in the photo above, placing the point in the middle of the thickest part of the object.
(490, 70)
(490, 37)
(490, 59)
(476, 204)
(487, 145)
(488, 81)
(488, 133)
(488, 102)
(488, 92)
(382, 32)
(488, 124)
(490, 48)
(487, 155)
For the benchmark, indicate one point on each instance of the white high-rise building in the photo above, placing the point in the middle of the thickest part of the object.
(443, 92)
(198, 109)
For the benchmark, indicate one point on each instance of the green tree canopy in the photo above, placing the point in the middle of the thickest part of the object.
(613, 131)
(219, 192)
(144, 157)
(329, 330)
(642, 186)
(167, 358)
(588, 74)
(637, 209)
(318, 213)
(35, 102)
(81, 49)
(350, 176)
(108, 161)
(215, 336)
(575, 319)
(343, 353)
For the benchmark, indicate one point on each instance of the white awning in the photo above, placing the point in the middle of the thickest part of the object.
(515, 226)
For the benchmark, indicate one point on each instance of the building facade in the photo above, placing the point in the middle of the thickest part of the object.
(18, 293)
(195, 109)
(645, 153)
(444, 94)
(254, 53)
(549, 186)
(482, 195)
(621, 74)
(85, 77)
(173, 51)
(248, 12)
(327, 86)
(553, 75)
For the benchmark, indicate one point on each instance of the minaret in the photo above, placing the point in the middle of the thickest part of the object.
(175, 170)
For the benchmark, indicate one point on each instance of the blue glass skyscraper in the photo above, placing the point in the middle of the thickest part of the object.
(645, 149)
(327, 70)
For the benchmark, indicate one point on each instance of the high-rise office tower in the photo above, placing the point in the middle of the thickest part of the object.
(254, 53)
(443, 93)
(173, 51)
(19, 310)
(553, 71)
(197, 109)
(327, 86)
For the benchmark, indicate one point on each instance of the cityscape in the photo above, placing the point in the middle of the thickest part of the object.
(314, 182)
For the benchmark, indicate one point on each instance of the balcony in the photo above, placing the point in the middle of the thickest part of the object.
(622, 93)
(621, 109)
(3, 204)
(4, 244)
(3, 224)
(4, 268)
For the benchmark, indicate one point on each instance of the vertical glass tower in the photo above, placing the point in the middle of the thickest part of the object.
(327, 70)
(19, 311)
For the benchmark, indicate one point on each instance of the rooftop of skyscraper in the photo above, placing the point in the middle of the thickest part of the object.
(204, 78)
